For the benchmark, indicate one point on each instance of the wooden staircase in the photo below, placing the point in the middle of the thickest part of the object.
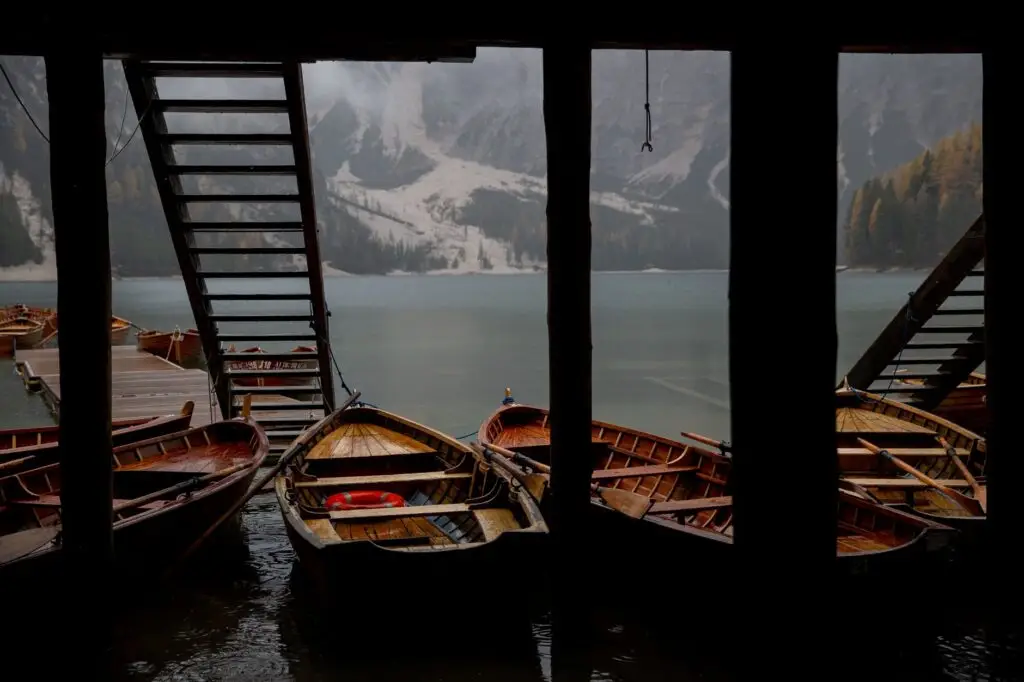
(264, 228)
(935, 358)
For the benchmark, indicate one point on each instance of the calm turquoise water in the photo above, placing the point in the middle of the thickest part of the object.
(441, 350)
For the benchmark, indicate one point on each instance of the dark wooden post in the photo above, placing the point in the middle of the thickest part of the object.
(78, 149)
(782, 328)
(1004, 375)
(567, 113)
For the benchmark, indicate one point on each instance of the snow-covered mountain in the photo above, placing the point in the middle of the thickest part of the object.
(441, 166)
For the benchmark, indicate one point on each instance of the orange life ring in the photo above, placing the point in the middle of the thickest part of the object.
(364, 499)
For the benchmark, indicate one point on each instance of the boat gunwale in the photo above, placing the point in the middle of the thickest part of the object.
(317, 432)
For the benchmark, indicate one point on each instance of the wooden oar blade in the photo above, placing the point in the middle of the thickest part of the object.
(625, 502)
(536, 484)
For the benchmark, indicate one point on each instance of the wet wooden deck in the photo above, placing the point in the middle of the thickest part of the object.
(142, 385)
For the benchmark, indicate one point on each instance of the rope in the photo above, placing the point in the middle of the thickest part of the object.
(907, 319)
(330, 350)
(116, 153)
(646, 146)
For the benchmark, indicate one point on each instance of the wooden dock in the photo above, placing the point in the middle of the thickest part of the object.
(142, 385)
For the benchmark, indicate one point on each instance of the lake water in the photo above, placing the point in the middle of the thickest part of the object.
(441, 350)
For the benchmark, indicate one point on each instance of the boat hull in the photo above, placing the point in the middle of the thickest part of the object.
(345, 572)
(136, 552)
(183, 348)
(23, 442)
(30, 338)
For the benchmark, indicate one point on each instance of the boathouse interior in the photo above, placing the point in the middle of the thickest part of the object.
(771, 366)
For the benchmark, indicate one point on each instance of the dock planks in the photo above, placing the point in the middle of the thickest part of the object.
(142, 385)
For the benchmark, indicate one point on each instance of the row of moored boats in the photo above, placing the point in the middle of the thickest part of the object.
(366, 494)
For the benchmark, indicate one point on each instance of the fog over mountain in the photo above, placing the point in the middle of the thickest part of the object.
(441, 167)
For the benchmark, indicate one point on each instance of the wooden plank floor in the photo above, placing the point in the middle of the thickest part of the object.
(142, 385)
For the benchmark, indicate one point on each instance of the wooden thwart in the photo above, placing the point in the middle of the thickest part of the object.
(398, 512)
(695, 504)
(635, 472)
(423, 477)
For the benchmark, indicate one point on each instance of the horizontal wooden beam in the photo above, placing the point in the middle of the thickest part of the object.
(242, 38)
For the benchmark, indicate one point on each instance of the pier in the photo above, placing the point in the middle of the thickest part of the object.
(144, 385)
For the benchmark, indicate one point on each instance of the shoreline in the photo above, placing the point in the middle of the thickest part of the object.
(332, 273)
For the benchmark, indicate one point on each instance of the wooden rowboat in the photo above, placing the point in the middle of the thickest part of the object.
(257, 364)
(25, 333)
(33, 447)
(45, 316)
(372, 501)
(655, 491)
(168, 490)
(883, 442)
(119, 328)
(181, 348)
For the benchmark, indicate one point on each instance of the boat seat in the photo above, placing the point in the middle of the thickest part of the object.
(398, 512)
(635, 472)
(422, 477)
(903, 453)
(692, 505)
(24, 542)
(493, 522)
(905, 482)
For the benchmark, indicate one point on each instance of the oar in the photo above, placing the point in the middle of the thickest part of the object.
(630, 504)
(180, 487)
(722, 446)
(534, 483)
(968, 503)
(858, 489)
(274, 471)
(979, 492)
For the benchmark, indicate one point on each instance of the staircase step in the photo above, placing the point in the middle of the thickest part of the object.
(960, 311)
(213, 70)
(281, 435)
(242, 357)
(976, 273)
(270, 423)
(950, 330)
(257, 226)
(264, 169)
(968, 292)
(250, 250)
(260, 317)
(294, 405)
(240, 391)
(233, 338)
(238, 198)
(222, 106)
(909, 375)
(925, 361)
(963, 345)
(270, 373)
(256, 274)
(228, 138)
(257, 297)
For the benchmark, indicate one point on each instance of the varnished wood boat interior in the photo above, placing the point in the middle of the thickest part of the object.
(30, 503)
(687, 484)
(452, 500)
(912, 435)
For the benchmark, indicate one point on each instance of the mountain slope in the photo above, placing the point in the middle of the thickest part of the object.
(441, 166)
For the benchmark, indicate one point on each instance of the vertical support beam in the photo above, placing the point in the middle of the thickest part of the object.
(789, 279)
(307, 205)
(1004, 467)
(78, 150)
(567, 116)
